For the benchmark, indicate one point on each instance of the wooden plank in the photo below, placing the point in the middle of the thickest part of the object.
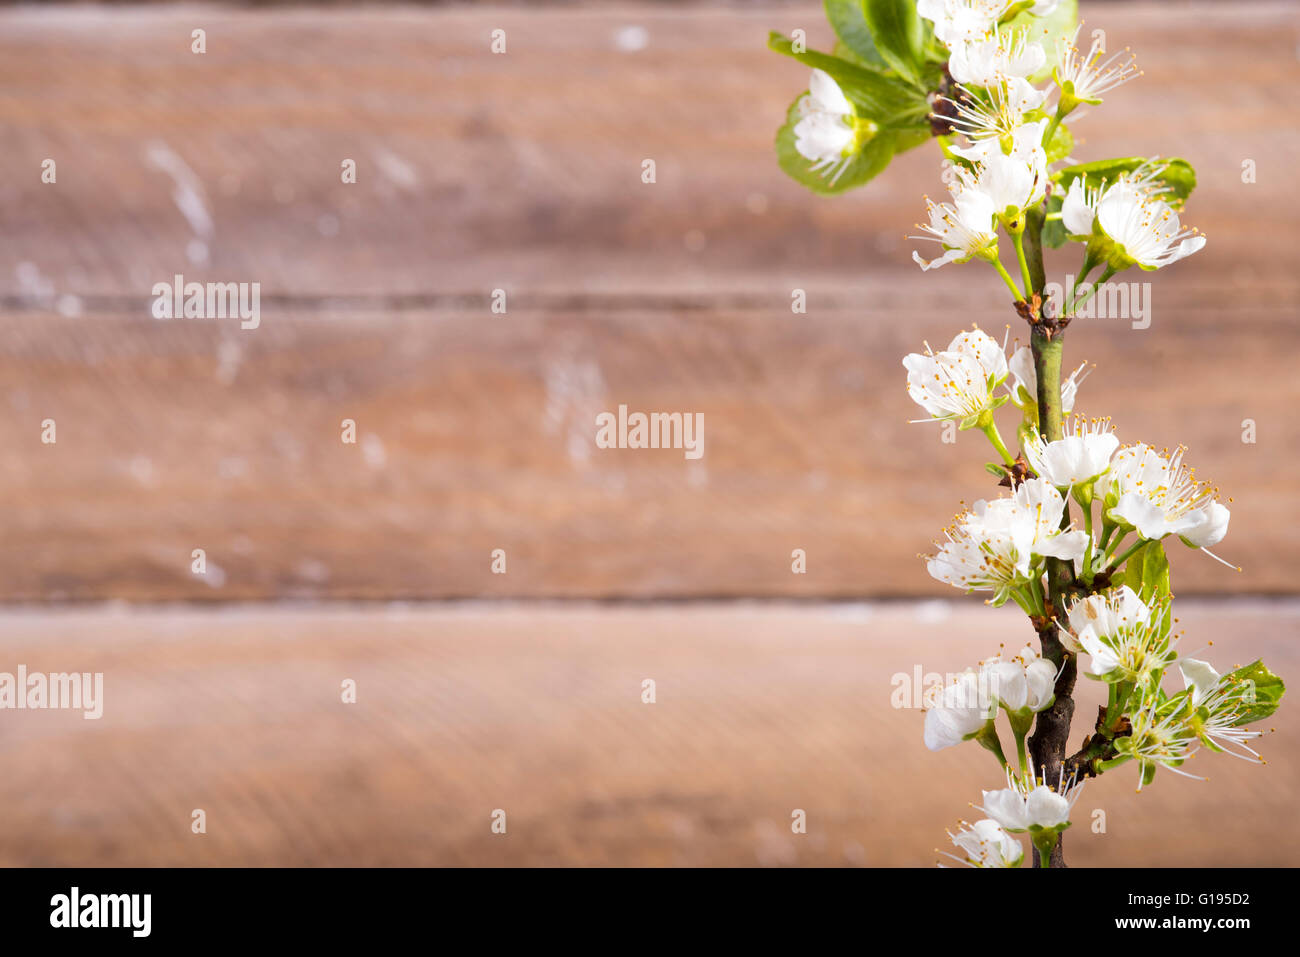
(523, 172)
(760, 709)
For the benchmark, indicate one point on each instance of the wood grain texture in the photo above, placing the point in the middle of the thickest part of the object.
(522, 172)
(761, 709)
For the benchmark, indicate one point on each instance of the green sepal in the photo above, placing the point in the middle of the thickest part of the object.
(1148, 769)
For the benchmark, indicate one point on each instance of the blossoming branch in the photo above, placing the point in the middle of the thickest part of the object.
(1078, 539)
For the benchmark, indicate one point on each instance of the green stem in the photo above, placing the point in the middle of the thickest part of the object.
(1019, 239)
(990, 430)
(1051, 129)
(1025, 602)
(1047, 365)
(1118, 697)
(1040, 600)
(1087, 551)
(1112, 702)
(1075, 303)
(1110, 549)
(1006, 277)
(1090, 262)
(1104, 766)
(1020, 726)
(1128, 552)
(1034, 220)
(1107, 530)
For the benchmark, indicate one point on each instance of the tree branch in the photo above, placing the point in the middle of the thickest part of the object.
(1052, 729)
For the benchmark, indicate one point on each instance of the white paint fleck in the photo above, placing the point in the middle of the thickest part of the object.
(631, 39)
(372, 450)
(395, 169)
(932, 612)
(187, 189)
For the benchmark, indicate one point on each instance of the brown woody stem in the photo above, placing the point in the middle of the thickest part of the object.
(1047, 745)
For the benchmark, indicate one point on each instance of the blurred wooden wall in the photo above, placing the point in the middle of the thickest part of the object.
(523, 172)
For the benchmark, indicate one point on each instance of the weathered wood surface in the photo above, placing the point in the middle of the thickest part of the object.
(522, 172)
(760, 710)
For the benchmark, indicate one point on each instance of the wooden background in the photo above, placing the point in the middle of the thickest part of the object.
(462, 710)
(522, 172)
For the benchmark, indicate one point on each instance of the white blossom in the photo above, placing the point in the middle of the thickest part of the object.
(993, 546)
(1143, 228)
(1124, 637)
(1223, 703)
(998, 113)
(1018, 807)
(1025, 683)
(1161, 736)
(963, 228)
(988, 60)
(958, 711)
(1079, 208)
(986, 844)
(825, 134)
(960, 381)
(958, 21)
(1105, 615)
(1160, 496)
(1024, 385)
(1086, 78)
(1079, 457)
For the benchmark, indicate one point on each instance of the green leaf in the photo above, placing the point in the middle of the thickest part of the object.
(884, 99)
(1147, 572)
(850, 25)
(1262, 694)
(873, 157)
(1178, 176)
(905, 139)
(896, 30)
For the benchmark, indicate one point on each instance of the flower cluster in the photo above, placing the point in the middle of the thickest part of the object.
(1014, 137)
(1002, 545)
